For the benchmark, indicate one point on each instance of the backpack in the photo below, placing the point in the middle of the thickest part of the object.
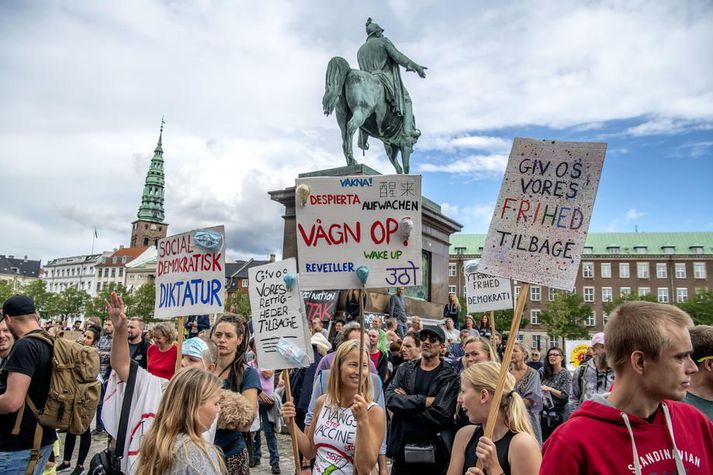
(73, 394)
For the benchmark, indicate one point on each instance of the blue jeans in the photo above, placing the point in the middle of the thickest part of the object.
(15, 463)
(269, 431)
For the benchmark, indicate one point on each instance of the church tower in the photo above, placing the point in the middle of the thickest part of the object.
(149, 227)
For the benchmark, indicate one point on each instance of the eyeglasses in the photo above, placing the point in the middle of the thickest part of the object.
(429, 337)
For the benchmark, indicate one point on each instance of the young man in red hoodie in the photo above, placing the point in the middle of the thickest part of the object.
(638, 428)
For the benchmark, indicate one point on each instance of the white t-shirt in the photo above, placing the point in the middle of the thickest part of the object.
(144, 405)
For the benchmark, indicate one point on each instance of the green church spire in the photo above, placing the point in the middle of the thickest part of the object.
(151, 208)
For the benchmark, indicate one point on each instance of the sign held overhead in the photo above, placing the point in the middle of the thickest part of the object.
(485, 293)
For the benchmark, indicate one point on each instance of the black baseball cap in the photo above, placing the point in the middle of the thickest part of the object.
(18, 305)
(434, 330)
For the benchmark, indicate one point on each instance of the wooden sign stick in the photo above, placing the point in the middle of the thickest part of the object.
(179, 353)
(492, 325)
(293, 435)
(505, 366)
(361, 337)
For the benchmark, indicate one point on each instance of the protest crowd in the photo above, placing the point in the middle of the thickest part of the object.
(419, 402)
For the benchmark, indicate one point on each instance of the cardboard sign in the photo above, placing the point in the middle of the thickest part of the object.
(277, 313)
(321, 304)
(347, 222)
(190, 273)
(484, 293)
(542, 215)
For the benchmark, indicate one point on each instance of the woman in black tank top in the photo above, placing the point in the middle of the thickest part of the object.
(513, 448)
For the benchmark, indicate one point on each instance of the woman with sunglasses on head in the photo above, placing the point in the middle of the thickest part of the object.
(346, 435)
(513, 449)
(556, 384)
(230, 335)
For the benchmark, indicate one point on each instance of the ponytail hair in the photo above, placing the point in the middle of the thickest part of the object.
(485, 376)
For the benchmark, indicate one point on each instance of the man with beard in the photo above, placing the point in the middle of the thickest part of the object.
(422, 397)
(594, 377)
(6, 341)
(138, 347)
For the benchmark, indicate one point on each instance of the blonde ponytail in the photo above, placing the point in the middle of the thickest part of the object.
(485, 376)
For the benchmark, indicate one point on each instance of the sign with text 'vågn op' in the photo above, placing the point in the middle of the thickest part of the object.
(542, 215)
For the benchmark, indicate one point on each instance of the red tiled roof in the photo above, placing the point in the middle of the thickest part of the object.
(130, 252)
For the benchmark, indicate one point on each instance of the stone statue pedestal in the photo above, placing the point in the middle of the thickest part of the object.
(435, 238)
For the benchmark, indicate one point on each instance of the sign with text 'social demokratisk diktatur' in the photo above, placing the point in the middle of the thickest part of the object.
(347, 222)
(484, 293)
(542, 215)
(190, 273)
(277, 313)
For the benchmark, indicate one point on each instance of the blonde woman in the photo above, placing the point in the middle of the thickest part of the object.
(513, 449)
(475, 350)
(174, 444)
(163, 352)
(347, 432)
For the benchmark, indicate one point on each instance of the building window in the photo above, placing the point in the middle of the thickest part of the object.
(588, 269)
(605, 318)
(661, 272)
(680, 270)
(668, 249)
(551, 294)
(613, 250)
(588, 250)
(451, 289)
(460, 251)
(537, 342)
(696, 249)
(451, 270)
(640, 249)
(516, 292)
(534, 317)
(591, 320)
(121, 272)
(520, 337)
(624, 270)
(244, 283)
(625, 291)
(113, 272)
(535, 293)
(605, 270)
(644, 291)
(699, 270)
(642, 270)
(606, 294)
(662, 295)
(99, 286)
(588, 294)
(681, 294)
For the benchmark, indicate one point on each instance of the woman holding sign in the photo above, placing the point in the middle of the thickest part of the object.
(230, 335)
(513, 449)
(347, 433)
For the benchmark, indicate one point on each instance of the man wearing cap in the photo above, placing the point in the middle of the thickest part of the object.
(25, 373)
(422, 397)
(593, 377)
(149, 388)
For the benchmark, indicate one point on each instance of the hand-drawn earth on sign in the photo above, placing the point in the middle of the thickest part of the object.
(347, 222)
(542, 215)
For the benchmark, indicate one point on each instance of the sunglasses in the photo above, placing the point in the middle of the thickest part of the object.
(429, 337)
(701, 360)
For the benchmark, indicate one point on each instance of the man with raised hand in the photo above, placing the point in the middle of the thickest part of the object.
(640, 427)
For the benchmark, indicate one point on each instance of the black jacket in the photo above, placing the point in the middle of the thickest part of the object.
(412, 421)
(383, 365)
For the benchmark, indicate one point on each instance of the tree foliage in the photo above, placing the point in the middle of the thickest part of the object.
(503, 318)
(239, 302)
(699, 307)
(6, 289)
(142, 302)
(565, 317)
(610, 306)
(96, 308)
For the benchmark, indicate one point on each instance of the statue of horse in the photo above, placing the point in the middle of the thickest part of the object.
(360, 102)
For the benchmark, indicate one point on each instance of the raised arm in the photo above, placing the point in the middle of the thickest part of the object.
(404, 60)
(119, 357)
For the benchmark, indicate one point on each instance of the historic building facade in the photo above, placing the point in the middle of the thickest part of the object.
(669, 266)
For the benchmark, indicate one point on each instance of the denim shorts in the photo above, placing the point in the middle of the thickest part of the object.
(15, 463)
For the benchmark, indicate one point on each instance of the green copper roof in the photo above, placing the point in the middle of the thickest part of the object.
(615, 243)
(151, 208)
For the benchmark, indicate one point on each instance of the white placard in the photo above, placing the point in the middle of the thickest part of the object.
(484, 293)
(542, 215)
(277, 312)
(190, 273)
(347, 222)
(574, 353)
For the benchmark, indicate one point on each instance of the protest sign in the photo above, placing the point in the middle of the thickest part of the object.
(575, 352)
(542, 215)
(321, 304)
(347, 222)
(190, 273)
(278, 313)
(484, 293)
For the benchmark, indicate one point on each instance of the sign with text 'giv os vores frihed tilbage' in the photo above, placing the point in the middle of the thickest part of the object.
(278, 314)
(190, 273)
(344, 223)
(542, 215)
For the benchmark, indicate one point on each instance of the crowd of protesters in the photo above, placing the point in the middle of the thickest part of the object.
(396, 397)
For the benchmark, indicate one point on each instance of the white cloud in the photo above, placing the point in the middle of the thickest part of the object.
(478, 166)
(474, 218)
(634, 214)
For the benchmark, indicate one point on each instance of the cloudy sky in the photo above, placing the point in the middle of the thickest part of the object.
(84, 85)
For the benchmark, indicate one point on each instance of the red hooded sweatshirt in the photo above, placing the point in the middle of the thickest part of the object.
(599, 439)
